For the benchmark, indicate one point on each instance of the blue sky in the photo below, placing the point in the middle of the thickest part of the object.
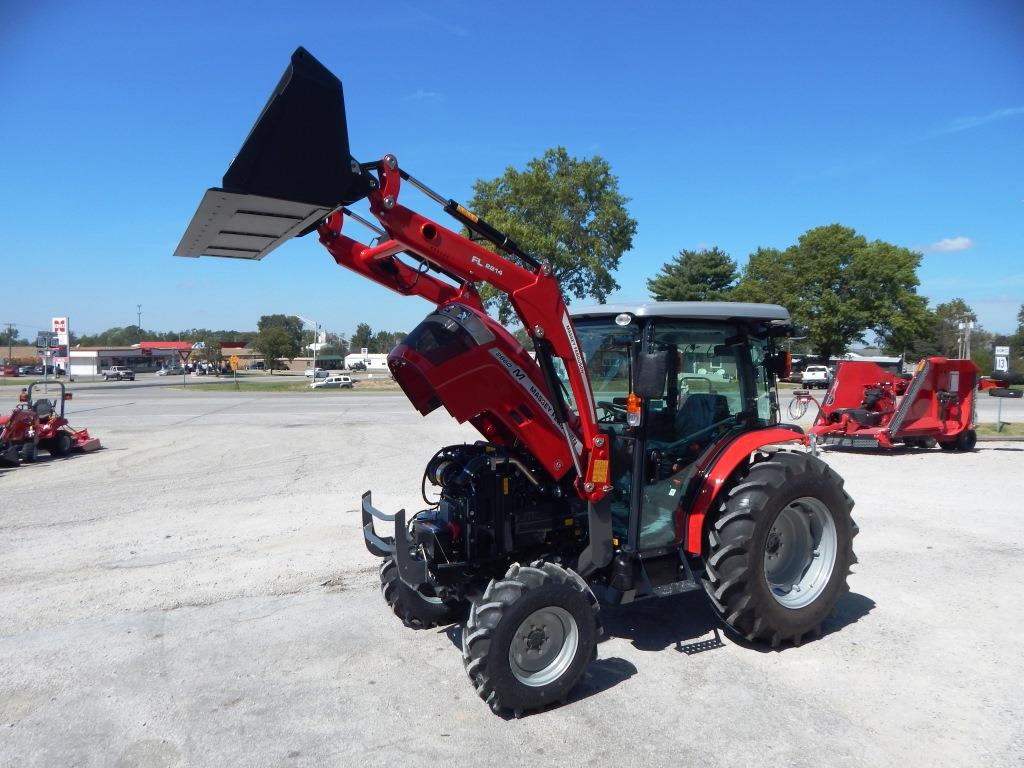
(733, 124)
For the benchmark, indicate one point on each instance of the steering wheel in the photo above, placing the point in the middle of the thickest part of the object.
(614, 412)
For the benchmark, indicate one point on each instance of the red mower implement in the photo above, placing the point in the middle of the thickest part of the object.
(868, 407)
(40, 423)
(636, 453)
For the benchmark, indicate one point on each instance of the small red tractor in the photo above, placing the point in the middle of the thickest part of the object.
(40, 423)
(635, 454)
(869, 407)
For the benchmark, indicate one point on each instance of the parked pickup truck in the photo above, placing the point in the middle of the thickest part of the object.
(118, 373)
(816, 376)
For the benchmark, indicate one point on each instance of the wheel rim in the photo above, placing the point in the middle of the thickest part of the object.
(800, 552)
(544, 646)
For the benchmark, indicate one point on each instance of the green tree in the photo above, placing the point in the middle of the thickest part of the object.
(562, 210)
(361, 338)
(840, 286)
(1018, 338)
(945, 333)
(288, 323)
(211, 350)
(9, 337)
(275, 343)
(704, 275)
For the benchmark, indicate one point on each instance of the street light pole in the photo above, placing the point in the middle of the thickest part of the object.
(316, 335)
(138, 321)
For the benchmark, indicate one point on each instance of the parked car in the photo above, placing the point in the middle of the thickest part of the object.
(358, 365)
(816, 376)
(171, 370)
(333, 382)
(316, 373)
(26, 370)
(11, 370)
(118, 373)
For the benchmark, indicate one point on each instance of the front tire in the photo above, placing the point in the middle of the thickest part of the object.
(29, 452)
(780, 549)
(528, 641)
(416, 609)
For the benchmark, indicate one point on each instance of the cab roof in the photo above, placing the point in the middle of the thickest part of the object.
(690, 310)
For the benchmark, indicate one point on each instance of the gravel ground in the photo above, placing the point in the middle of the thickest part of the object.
(197, 593)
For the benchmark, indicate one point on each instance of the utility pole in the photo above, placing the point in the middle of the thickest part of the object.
(10, 341)
(138, 321)
(316, 338)
(964, 342)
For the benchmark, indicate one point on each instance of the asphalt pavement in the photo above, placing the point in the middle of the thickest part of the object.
(198, 594)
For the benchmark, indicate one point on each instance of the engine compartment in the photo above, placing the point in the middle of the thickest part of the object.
(495, 506)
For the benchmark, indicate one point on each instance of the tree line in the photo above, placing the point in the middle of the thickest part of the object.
(840, 287)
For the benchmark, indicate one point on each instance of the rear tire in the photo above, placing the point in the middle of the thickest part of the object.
(528, 641)
(967, 440)
(416, 609)
(60, 444)
(780, 549)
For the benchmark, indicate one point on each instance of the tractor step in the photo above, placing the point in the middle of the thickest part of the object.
(676, 588)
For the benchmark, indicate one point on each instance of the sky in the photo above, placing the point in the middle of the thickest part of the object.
(731, 124)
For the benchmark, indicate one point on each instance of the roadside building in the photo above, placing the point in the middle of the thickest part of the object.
(91, 361)
(373, 361)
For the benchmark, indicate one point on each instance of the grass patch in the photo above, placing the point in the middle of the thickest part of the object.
(1009, 430)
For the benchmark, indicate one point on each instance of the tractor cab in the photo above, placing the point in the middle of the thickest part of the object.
(672, 381)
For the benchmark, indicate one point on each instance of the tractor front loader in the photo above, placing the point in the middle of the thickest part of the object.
(635, 454)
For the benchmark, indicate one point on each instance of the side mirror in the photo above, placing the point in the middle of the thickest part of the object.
(779, 364)
(651, 369)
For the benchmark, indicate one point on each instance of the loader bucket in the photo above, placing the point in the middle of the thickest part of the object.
(292, 170)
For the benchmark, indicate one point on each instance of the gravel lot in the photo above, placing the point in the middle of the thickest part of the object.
(198, 594)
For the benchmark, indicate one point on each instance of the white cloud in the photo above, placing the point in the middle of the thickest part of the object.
(949, 244)
(958, 124)
(423, 94)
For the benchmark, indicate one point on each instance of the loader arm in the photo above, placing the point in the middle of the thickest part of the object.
(295, 174)
(535, 296)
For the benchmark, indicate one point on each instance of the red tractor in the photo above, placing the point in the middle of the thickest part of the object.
(40, 423)
(636, 452)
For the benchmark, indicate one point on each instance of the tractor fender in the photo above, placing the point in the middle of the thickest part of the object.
(719, 468)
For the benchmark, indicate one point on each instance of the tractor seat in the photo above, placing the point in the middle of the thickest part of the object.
(43, 408)
(699, 411)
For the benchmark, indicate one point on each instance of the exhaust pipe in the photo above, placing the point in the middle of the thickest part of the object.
(292, 170)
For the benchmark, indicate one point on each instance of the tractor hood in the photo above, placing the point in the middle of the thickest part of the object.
(460, 358)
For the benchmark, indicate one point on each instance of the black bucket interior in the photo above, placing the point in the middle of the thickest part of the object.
(298, 148)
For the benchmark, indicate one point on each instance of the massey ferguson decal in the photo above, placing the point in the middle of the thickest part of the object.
(517, 373)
